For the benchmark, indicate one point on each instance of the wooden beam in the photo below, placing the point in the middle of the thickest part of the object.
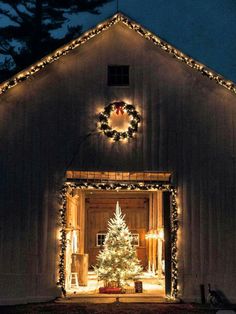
(81, 216)
(119, 176)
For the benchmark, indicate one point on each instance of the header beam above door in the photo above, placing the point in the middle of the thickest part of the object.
(119, 176)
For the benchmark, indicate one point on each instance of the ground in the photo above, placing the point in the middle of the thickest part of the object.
(116, 308)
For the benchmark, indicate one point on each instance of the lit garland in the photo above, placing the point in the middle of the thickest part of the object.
(62, 211)
(70, 186)
(175, 53)
(174, 230)
(119, 106)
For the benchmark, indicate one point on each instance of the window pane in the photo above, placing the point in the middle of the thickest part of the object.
(100, 238)
(118, 75)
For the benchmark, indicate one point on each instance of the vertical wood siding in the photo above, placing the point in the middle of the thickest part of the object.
(188, 127)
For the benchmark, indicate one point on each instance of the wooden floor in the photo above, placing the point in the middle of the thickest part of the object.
(153, 292)
(123, 298)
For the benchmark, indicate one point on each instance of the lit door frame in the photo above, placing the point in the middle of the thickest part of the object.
(170, 224)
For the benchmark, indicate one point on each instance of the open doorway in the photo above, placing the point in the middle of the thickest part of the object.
(100, 207)
(89, 206)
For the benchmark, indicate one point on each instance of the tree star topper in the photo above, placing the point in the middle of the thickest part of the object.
(122, 109)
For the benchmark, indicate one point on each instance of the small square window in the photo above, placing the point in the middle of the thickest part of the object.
(118, 75)
(135, 239)
(100, 238)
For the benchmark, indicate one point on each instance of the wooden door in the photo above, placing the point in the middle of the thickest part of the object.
(100, 207)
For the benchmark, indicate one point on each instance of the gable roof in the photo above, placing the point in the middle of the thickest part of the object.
(119, 17)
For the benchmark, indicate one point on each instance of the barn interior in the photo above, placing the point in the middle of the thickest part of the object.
(87, 214)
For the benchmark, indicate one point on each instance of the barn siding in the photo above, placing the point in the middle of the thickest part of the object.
(188, 127)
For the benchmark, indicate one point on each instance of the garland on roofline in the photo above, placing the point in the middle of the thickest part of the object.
(175, 53)
(70, 186)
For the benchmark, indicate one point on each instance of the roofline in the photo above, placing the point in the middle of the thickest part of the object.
(103, 26)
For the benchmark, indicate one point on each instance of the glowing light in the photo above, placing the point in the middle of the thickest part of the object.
(119, 122)
(122, 186)
(161, 234)
(117, 132)
(74, 241)
(58, 234)
(27, 73)
(156, 234)
(151, 236)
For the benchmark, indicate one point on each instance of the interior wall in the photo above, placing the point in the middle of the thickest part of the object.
(101, 207)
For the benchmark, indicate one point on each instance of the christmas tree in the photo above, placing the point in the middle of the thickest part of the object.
(117, 262)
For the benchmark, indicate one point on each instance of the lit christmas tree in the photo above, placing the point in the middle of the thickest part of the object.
(117, 262)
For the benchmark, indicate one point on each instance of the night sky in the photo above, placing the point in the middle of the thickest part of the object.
(203, 29)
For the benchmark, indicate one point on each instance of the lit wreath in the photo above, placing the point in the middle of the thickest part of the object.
(119, 107)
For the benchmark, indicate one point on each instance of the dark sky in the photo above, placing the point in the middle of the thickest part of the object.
(203, 29)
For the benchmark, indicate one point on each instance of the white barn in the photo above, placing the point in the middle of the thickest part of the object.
(57, 122)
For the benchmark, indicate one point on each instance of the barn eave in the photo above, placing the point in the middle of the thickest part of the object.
(101, 27)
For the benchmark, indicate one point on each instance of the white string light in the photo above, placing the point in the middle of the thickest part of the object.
(69, 186)
(175, 53)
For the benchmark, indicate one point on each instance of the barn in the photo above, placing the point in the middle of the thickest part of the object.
(117, 115)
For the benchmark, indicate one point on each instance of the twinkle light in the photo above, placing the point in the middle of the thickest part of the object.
(62, 216)
(119, 107)
(68, 187)
(175, 53)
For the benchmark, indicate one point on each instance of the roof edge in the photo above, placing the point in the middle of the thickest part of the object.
(103, 26)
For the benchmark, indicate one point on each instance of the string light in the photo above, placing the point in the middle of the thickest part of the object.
(62, 216)
(105, 127)
(175, 53)
(68, 187)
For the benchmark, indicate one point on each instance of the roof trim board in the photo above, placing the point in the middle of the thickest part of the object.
(119, 17)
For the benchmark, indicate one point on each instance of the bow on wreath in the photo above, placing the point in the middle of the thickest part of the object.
(119, 107)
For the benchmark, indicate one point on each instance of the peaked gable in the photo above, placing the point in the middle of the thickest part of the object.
(119, 17)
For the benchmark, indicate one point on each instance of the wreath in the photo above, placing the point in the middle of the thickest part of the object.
(119, 107)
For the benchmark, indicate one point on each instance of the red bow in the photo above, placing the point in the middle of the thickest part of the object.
(119, 109)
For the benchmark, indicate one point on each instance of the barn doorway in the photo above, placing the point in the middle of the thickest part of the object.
(89, 204)
(100, 208)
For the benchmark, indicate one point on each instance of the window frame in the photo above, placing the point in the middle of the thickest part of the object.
(118, 76)
(138, 238)
(97, 234)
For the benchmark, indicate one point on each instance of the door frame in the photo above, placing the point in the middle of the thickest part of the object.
(171, 223)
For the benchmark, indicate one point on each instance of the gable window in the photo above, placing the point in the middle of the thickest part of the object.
(118, 75)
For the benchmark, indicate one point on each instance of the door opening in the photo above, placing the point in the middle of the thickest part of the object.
(148, 209)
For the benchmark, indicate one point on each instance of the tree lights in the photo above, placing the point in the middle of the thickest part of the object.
(117, 262)
(119, 107)
(110, 186)
(27, 73)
